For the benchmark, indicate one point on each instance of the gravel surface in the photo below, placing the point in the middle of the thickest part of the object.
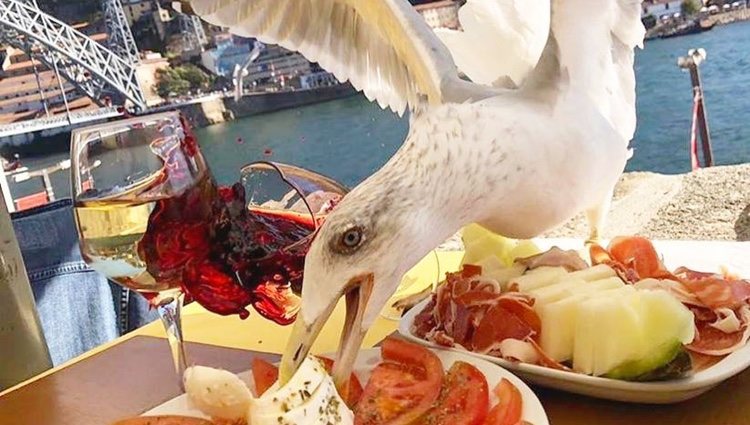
(707, 204)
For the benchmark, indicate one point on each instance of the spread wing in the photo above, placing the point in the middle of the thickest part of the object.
(383, 47)
(599, 55)
(501, 40)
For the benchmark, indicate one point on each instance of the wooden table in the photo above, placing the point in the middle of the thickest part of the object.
(134, 373)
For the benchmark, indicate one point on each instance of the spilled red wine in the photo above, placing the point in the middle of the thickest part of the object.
(202, 239)
(226, 256)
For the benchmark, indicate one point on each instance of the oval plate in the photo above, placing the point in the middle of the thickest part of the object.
(663, 392)
(698, 255)
(533, 412)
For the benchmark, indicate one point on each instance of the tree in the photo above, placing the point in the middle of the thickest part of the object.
(690, 7)
(181, 80)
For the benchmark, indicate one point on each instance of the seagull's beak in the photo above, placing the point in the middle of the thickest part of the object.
(357, 294)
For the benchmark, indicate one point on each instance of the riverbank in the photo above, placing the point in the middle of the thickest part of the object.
(707, 204)
(705, 21)
(729, 17)
(222, 109)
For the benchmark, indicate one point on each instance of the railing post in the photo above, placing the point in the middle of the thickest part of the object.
(691, 62)
(23, 349)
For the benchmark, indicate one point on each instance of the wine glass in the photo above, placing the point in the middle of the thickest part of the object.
(287, 204)
(143, 194)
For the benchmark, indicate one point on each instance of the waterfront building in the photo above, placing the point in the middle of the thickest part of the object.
(230, 51)
(660, 7)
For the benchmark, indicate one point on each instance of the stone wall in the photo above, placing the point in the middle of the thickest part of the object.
(707, 204)
(217, 110)
(728, 17)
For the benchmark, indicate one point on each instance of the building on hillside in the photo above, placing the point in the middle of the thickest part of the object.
(151, 63)
(161, 18)
(136, 9)
(276, 67)
(440, 14)
(23, 96)
(230, 51)
(660, 7)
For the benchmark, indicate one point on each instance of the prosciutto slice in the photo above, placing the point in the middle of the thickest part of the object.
(719, 293)
(554, 257)
(714, 342)
(470, 312)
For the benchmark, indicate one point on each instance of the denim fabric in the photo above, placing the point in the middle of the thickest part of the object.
(79, 308)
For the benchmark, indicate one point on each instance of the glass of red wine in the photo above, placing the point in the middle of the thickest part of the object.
(290, 202)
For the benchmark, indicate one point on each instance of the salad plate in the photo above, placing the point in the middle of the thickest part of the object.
(533, 412)
(704, 256)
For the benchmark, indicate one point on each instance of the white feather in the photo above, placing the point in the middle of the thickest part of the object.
(499, 39)
(598, 55)
(356, 40)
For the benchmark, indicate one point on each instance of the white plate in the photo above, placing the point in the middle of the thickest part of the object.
(533, 412)
(702, 256)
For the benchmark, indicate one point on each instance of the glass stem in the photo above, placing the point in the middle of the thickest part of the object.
(169, 312)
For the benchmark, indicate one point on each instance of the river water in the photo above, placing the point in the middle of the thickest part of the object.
(350, 138)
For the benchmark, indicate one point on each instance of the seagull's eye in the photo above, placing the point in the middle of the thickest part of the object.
(350, 239)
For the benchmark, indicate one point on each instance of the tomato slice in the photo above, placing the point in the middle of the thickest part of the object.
(403, 387)
(464, 398)
(508, 410)
(264, 375)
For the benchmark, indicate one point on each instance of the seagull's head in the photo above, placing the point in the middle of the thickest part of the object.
(360, 253)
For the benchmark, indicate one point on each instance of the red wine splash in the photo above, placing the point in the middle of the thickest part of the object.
(226, 256)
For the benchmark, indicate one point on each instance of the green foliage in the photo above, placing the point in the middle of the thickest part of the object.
(181, 80)
(690, 7)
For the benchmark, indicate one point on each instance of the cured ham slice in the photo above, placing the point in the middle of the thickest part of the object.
(719, 293)
(638, 253)
(600, 255)
(467, 311)
(633, 258)
(498, 325)
(677, 289)
(714, 342)
(555, 257)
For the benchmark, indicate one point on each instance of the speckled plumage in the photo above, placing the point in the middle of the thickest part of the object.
(517, 161)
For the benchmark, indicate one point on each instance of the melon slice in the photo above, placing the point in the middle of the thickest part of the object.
(539, 278)
(569, 287)
(598, 272)
(559, 321)
(628, 333)
(609, 331)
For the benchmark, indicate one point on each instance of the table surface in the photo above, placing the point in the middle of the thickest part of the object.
(134, 373)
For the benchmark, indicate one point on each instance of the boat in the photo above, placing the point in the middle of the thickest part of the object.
(692, 27)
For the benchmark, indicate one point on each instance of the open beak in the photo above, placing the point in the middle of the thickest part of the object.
(357, 294)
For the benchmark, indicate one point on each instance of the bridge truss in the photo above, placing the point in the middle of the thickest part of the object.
(88, 65)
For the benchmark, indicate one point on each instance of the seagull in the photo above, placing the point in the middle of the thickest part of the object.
(541, 135)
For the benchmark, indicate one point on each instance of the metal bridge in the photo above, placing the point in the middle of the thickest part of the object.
(95, 70)
(56, 121)
(86, 58)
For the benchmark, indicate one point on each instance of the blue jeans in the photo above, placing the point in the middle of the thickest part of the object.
(78, 307)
